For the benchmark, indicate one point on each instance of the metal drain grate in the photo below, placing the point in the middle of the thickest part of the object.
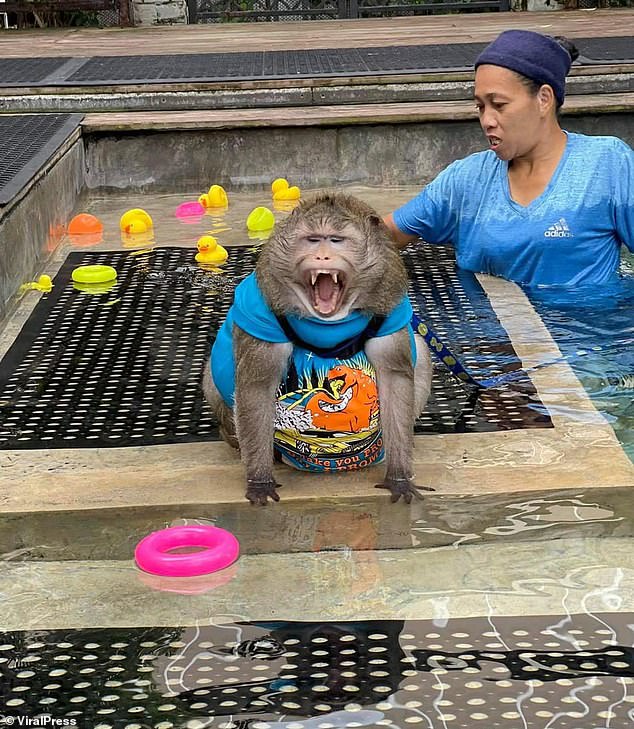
(25, 71)
(300, 63)
(124, 367)
(605, 50)
(572, 671)
(27, 141)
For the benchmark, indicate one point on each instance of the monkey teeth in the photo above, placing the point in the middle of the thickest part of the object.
(315, 275)
(326, 289)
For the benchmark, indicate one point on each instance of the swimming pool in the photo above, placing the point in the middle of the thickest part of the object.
(592, 329)
(501, 600)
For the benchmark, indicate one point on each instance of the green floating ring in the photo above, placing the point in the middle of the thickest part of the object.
(94, 274)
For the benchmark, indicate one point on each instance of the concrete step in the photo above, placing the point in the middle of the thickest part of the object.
(584, 576)
(397, 88)
(504, 486)
(341, 115)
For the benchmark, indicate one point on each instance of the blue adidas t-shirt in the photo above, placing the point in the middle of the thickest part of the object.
(570, 235)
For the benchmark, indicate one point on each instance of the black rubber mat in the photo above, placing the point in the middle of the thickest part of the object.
(276, 64)
(25, 71)
(328, 62)
(568, 672)
(606, 50)
(240, 66)
(27, 141)
(124, 367)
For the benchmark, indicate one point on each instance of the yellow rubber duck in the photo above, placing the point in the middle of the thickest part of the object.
(210, 251)
(215, 198)
(282, 191)
(44, 284)
(135, 221)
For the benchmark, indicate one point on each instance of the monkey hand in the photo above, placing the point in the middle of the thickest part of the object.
(259, 491)
(403, 487)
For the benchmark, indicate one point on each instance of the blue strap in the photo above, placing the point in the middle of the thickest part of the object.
(451, 361)
(443, 353)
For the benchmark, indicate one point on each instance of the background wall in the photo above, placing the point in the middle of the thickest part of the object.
(373, 154)
(159, 12)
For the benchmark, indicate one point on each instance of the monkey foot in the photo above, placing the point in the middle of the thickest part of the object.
(403, 487)
(259, 491)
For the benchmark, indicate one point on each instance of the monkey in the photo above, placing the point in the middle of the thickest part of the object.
(316, 364)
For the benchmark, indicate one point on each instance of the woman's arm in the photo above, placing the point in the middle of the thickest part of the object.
(624, 196)
(401, 239)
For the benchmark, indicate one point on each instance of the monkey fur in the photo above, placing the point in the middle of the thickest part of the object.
(335, 237)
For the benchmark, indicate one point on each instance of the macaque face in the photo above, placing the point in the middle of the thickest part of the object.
(324, 262)
(331, 256)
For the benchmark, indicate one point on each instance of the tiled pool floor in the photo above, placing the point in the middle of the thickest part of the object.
(535, 634)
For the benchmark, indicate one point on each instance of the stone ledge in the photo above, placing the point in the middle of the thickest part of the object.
(493, 580)
(509, 485)
(331, 115)
(316, 92)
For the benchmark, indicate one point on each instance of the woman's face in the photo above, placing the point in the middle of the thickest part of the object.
(510, 115)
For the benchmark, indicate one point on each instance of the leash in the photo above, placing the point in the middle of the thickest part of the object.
(444, 354)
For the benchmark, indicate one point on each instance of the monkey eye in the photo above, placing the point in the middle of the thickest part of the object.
(319, 238)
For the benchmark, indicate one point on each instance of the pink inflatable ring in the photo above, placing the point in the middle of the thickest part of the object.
(221, 549)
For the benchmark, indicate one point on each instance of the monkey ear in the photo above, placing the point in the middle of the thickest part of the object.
(374, 220)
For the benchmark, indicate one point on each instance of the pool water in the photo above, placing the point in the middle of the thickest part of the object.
(594, 328)
(534, 634)
(505, 635)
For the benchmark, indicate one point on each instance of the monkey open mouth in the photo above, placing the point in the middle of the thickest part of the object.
(326, 289)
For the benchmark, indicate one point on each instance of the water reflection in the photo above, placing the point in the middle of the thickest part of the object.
(540, 513)
(594, 329)
(303, 675)
(511, 518)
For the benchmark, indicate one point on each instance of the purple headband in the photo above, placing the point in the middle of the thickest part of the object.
(534, 55)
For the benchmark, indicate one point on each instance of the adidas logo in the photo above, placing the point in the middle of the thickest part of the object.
(559, 229)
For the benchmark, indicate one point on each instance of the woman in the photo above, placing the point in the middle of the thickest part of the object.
(541, 206)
